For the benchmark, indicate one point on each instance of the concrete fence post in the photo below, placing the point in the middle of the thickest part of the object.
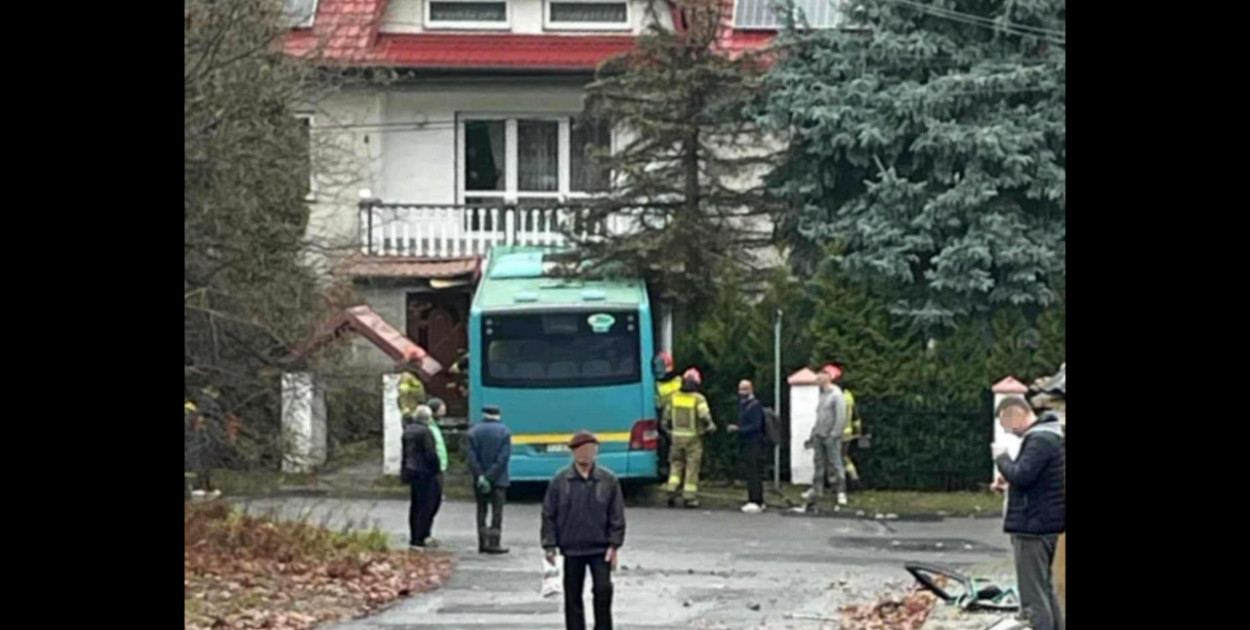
(803, 397)
(303, 423)
(392, 425)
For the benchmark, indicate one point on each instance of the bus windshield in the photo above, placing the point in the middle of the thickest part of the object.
(561, 349)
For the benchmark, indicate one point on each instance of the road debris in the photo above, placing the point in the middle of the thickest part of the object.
(972, 594)
(892, 611)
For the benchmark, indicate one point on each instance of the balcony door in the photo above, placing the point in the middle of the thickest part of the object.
(532, 162)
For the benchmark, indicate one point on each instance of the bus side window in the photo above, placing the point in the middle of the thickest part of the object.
(531, 370)
(562, 369)
(596, 368)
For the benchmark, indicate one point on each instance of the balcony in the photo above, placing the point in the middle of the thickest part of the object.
(456, 231)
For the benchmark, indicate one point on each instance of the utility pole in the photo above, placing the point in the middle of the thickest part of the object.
(777, 398)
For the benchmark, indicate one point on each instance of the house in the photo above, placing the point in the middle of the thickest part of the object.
(463, 149)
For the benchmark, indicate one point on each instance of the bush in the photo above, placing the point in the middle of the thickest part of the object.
(925, 403)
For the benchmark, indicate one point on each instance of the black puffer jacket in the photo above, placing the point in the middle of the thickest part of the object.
(1036, 481)
(420, 451)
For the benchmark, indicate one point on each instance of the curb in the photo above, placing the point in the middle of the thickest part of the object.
(401, 495)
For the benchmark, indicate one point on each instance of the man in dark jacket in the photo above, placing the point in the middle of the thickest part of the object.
(1035, 507)
(751, 444)
(490, 449)
(420, 471)
(584, 517)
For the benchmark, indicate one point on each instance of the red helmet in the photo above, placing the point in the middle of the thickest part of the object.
(693, 374)
(833, 371)
(667, 359)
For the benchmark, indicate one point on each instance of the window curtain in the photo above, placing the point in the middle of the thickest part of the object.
(484, 159)
(538, 148)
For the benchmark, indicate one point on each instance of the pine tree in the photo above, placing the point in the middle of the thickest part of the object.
(933, 144)
(678, 103)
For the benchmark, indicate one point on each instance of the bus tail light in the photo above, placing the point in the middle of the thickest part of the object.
(643, 436)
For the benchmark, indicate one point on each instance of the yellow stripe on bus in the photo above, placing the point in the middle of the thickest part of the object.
(564, 438)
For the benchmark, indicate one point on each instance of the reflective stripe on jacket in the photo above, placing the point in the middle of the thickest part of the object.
(688, 414)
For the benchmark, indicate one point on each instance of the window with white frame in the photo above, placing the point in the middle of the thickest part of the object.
(305, 128)
(529, 160)
(587, 15)
(299, 13)
(466, 14)
(767, 14)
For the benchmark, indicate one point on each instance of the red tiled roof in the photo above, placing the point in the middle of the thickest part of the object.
(346, 32)
(409, 267)
(548, 52)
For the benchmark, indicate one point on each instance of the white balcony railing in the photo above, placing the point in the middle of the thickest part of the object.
(433, 231)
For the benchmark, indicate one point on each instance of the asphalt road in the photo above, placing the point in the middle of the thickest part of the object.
(679, 568)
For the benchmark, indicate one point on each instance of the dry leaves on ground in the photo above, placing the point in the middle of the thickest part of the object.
(242, 572)
(907, 611)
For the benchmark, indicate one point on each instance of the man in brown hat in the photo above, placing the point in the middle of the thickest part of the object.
(584, 517)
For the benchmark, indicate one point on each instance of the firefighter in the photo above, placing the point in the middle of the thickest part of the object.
(687, 418)
(459, 372)
(411, 394)
(854, 430)
(205, 424)
(667, 382)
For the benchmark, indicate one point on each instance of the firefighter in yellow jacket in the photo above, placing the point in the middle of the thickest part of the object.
(687, 418)
(667, 382)
(411, 394)
(854, 429)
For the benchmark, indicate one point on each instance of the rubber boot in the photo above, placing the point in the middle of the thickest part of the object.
(483, 542)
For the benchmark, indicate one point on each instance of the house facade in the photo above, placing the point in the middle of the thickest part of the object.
(471, 143)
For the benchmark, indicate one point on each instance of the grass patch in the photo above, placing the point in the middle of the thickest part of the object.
(723, 494)
(246, 571)
(352, 453)
(244, 482)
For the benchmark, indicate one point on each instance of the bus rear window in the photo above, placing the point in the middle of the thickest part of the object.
(561, 349)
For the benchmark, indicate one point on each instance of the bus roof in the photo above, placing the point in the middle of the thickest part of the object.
(515, 279)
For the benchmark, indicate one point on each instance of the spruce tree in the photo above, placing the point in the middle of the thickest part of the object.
(679, 169)
(931, 140)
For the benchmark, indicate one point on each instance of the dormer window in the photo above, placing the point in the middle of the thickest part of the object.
(767, 14)
(466, 15)
(586, 15)
(299, 13)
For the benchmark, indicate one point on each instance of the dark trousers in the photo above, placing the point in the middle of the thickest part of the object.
(575, 582)
(1039, 604)
(493, 500)
(751, 453)
(421, 510)
(438, 498)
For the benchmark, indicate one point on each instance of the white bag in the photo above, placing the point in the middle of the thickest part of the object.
(552, 580)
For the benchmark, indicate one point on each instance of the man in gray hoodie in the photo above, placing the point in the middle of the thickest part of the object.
(826, 438)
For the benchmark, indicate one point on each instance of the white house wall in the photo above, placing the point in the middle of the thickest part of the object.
(419, 166)
(347, 157)
(401, 144)
(408, 16)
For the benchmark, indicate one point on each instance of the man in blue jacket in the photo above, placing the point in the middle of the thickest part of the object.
(490, 449)
(1035, 507)
(751, 446)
